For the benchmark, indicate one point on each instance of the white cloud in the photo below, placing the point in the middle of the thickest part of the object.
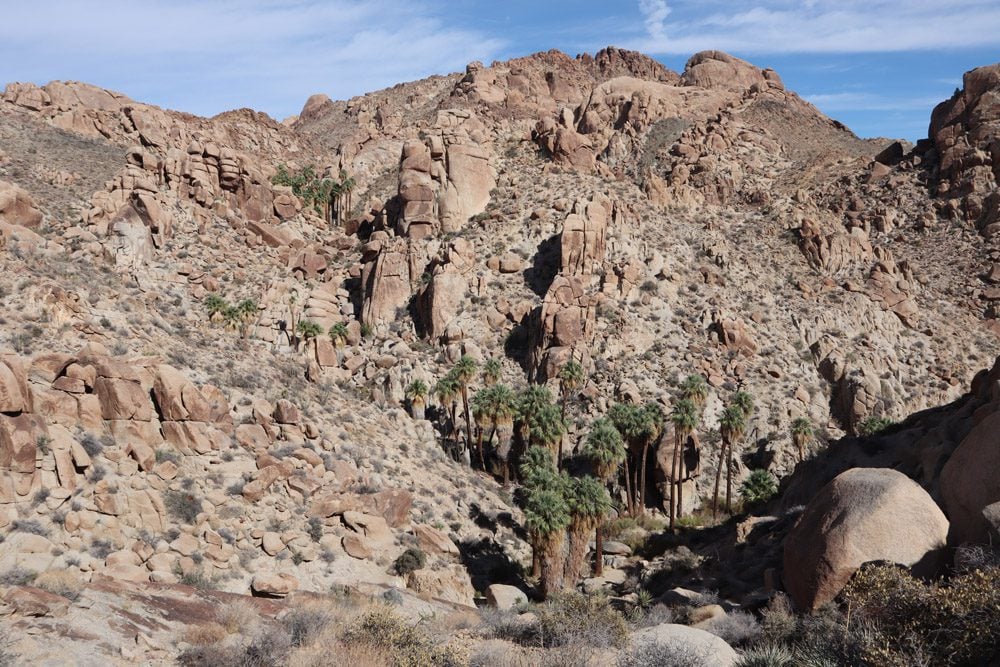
(655, 12)
(819, 26)
(206, 57)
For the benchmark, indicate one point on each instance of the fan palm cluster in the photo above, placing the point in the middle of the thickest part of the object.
(236, 316)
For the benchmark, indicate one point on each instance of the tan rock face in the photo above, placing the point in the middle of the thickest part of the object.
(17, 207)
(969, 483)
(584, 236)
(443, 184)
(564, 324)
(864, 514)
(963, 130)
(177, 398)
(715, 69)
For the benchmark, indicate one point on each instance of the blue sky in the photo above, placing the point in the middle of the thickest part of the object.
(877, 65)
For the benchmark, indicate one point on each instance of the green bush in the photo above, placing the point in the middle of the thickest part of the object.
(409, 561)
(759, 487)
(873, 425)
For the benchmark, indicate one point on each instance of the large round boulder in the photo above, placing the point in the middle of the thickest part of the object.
(864, 514)
(672, 644)
(970, 483)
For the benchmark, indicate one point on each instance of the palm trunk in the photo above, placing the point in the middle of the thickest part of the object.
(417, 407)
(576, 556)
(628, 488)
(599, 548)
(553, 563)
(536, 557)
(729, 479)
(468, 416)
(642, 487)
(718, 478)
(680, 478)
(674, 464)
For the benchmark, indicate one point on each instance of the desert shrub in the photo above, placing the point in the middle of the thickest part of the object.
(91, 444)
(873, 425)
(950, 623)
(759, 487)
(508, 625)
(570, 617)
(17, 576)
(205, 634)
(264, 649)
(305, 625)
(60, 582)
(314, 527)
(163, 454)
(182, 506)
(32, 526)
(101, 548)
(197, 578)
(736, 628)
(380, 628)
(768, 655)
(409, 561)
(650, 653)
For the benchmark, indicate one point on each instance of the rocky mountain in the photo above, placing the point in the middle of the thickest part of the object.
(214, 327)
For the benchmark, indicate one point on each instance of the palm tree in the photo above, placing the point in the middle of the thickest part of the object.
(215, 305)
(547, 428)
(546, 516)
(801, 432)
(653, 418)
(685, 420)
(416, 393)
(638, 428)
(499, 406)
(491, 371)
(588, 502)
(732, 425)
(571, 378)
(603, 446)
(309, 329)
(446, 389)
(346, 187)
(530, 401)
(293, 311)
(245, 311)
(506, 408)
(695, 389)
(744, 402)
(465, 370)
(338, 336)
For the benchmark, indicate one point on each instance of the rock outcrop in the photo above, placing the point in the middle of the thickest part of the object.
(863, 515)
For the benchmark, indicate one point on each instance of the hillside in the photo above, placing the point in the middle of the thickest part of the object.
(162, 456)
